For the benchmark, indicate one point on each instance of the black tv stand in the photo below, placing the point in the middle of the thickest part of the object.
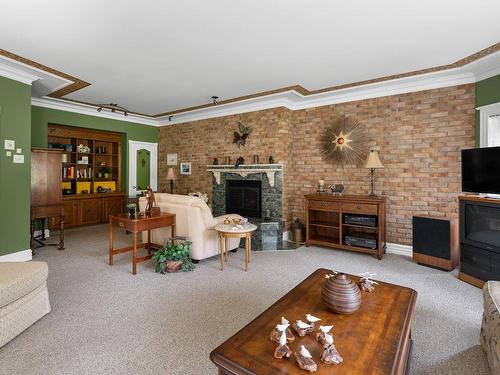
(479, 239)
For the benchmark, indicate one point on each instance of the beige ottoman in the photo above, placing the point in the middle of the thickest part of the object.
(24, 297)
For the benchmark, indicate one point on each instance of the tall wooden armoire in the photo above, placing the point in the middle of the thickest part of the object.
(46, 190)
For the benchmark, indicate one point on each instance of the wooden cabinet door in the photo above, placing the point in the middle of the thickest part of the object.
(70, 215)
(89, 211)
(112, 206)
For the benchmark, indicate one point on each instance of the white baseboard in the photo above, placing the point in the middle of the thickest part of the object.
(19, 256)
(395, 248)
(39, 233)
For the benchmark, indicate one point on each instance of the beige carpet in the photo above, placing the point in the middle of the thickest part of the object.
(106, 321)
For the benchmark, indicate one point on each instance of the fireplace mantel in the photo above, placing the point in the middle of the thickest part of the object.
(245, 169)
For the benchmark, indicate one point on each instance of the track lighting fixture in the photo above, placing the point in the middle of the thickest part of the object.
(113, 107)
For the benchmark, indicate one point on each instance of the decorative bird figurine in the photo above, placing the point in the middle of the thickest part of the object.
(240, 139)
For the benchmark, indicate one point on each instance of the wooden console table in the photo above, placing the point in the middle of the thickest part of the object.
(136, 224)
(328, 222)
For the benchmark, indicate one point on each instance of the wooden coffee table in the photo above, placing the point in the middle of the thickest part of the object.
(136, 224)
(376, 339)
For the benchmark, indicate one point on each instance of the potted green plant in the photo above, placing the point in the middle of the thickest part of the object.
(105, 171)
(173, 257)
(298, 230)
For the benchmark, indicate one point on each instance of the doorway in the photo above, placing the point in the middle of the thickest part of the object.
(142, 166)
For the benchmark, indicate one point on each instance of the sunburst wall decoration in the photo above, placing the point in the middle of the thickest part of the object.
(346, 140)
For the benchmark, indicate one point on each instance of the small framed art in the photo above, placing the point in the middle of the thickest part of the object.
(185, 168)
(171, 159)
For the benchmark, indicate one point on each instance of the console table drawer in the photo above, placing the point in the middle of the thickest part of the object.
(323, 205)
(360, 208)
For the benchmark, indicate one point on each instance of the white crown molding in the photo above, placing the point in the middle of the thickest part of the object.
(19, 256)
(17, 74)
(475, 71)
(86, 109)
(395, 248)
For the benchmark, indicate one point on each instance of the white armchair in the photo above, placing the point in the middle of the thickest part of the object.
(194, 220)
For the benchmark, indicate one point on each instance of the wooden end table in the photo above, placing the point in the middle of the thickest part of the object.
(230, 231)
(135, 224)
(376, 339)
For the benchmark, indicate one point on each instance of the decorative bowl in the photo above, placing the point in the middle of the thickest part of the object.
(340, 294)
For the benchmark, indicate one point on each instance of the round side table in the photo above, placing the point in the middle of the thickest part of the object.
(230, 231)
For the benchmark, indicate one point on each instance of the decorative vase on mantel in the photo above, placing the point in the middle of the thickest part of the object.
(340, 294)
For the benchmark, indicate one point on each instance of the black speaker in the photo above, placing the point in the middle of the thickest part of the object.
(435, 241)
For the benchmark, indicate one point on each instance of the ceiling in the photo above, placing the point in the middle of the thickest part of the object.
(156, 57)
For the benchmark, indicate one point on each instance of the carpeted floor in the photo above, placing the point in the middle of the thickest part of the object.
(106, 321)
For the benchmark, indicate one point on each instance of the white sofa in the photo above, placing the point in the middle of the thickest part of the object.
(194, 220)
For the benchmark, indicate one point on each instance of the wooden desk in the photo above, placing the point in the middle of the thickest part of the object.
(376, 339)
(139, 223)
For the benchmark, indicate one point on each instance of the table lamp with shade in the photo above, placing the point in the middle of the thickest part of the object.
(373, 162)
(171, 176)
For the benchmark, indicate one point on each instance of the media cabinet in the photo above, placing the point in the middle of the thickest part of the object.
(329, 222)
(479, 239)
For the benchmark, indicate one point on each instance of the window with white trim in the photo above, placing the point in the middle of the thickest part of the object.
(489, 126)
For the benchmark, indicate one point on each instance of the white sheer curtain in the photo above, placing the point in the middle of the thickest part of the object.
(493, 130)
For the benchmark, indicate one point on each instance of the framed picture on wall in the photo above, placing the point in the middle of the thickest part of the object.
(171, 159)
(185, 168)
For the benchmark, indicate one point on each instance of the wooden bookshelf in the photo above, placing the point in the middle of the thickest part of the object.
(84, 171)
(326, 221)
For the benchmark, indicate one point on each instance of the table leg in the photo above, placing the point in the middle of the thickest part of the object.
(134, 254)
(249, 247)
(149, 242)
(110, 231)
(61, 233)
(221, 247)
(246, 251)
(173, 230)
(225, 248)
(32, 231)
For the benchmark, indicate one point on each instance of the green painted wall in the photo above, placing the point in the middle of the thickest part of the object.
(15, 179)
(487, 92)
(41, 117)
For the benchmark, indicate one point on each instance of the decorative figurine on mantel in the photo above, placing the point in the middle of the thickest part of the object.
(323, 330)
(304, 359)
(311, 320)
(330, 354)
(283, 349)
(215, 162)
(366, 283)
(239, 161)
(276, 333)
(271, 160)
(302, 328)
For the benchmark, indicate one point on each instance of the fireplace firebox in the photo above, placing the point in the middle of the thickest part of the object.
(244, 197)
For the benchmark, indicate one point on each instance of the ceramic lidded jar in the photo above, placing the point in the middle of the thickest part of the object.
(340, 294)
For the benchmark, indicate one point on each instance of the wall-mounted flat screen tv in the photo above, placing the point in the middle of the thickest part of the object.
(481, 170)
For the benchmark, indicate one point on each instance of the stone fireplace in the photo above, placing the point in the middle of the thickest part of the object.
(254, 191)
(244, 197)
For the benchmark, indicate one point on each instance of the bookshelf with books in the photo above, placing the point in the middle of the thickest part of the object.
(90, 171)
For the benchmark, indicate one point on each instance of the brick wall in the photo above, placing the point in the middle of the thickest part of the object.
(419, 137)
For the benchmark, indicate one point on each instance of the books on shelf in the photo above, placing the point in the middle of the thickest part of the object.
(72, 172)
